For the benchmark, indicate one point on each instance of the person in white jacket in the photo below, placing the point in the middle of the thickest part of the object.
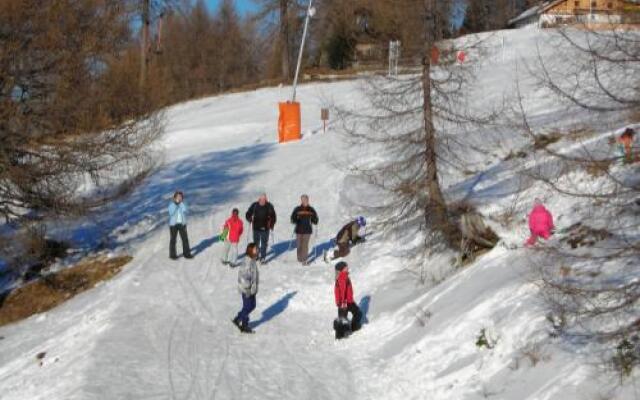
(248, 279)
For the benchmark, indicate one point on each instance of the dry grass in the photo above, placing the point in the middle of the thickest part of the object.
(598, 168)
(513, 155)
(54, 289)
(579, 134)
(579, 235)
(542, 141)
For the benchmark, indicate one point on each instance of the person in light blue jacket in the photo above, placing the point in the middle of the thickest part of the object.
(178, 225)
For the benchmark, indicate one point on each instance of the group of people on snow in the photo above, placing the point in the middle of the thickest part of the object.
(261, 215)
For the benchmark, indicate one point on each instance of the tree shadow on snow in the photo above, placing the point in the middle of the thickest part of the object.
(364, 307)
(208, 181)
(274, 310)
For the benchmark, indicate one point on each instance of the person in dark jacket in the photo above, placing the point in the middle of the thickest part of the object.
(343, 292)
(262, 217)
(178, 225)
(348, 235)
(303, 217)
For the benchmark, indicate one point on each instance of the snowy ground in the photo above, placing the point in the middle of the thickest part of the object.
(162, 330)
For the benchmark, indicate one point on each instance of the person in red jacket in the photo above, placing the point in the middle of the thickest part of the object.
(540, 223)
(626, 141)
(231, 232)
(343, 292)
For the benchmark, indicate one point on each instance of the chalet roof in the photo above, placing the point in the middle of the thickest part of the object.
(531, 12)
(546, 7)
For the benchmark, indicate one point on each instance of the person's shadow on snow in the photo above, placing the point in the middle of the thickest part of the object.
(273, 310)
(279, 249)
(318, 249)
(204, 244)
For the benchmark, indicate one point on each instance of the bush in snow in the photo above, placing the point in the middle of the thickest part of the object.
(485, 340)
(627, 356)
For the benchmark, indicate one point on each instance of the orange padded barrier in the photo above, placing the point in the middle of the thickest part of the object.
(289, 122)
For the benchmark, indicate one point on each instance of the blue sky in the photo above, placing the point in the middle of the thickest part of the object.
(248, 5)
(243, 5)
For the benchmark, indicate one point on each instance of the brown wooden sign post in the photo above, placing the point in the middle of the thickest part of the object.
(324, 115)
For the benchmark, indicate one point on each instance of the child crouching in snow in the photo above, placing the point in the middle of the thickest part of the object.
(231, 233)
(343, 292)
(248, 287)
(626, 141)
(540, 223)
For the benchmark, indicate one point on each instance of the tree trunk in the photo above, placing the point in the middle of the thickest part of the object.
(284, 38)
(436, 213)
(144, 42)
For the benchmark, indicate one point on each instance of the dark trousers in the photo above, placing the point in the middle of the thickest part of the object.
(248, 305)
(261, 239)
(342, 330)
(343, 250)
(356, 315)
(184, 238)
(302, 245)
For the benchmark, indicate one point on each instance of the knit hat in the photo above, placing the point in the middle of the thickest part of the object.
(361, 222)
(341, 265)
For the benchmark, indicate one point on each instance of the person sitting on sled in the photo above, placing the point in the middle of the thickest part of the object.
(343, 292)
(348, 235)
(231, 233)
(540, 223)
(626, 142)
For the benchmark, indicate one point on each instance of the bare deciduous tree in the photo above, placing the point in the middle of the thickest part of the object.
(412, 123)
(589, 276)
(59, 123)
(286, 13)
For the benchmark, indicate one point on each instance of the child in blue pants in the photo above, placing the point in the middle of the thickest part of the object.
(248, 278)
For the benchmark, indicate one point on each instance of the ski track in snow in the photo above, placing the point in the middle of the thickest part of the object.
(162, 329)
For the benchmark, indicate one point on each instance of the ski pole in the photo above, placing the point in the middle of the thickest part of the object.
(293, 234)
(315, 244)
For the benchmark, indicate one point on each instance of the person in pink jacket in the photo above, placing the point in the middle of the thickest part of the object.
(231, 233)
(540, 223)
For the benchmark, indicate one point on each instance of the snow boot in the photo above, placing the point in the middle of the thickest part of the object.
(246, 328)
(236, 322)
(342, 327)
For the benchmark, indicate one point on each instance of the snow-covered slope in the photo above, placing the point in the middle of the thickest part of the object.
(161, 329)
